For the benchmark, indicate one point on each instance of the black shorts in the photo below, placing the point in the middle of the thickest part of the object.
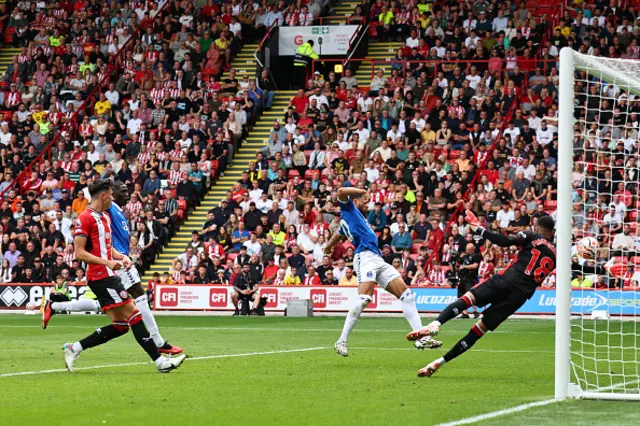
(464, 286)
(505, 299)
(58, 297)
(110, 292)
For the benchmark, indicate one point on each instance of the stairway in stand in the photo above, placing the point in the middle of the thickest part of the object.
(6, 56)
(378, 54)
(344, 9)
(258, 136)
(244, 63)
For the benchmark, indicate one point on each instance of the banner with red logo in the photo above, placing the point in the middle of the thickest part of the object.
(325, 299)
(335, 39)
(18, 296)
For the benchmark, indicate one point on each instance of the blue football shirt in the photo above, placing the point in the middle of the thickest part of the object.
(119, 229)
(353, 225)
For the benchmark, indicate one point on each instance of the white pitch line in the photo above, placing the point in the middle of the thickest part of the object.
(197, 358)
(492, 415)
(505, 351)
(385, 330)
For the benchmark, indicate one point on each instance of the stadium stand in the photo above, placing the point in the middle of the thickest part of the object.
(465, 120)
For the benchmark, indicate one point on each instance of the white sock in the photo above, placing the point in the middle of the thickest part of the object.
(80, 305)
(353, 315)
(142, 303)
(441, 360)
(410, 310)
(76, 347)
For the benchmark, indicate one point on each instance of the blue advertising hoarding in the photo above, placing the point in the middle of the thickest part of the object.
(616, 302)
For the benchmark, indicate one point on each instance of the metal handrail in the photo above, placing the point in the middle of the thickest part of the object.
(364, 33)
(434, 63)
(259, 49)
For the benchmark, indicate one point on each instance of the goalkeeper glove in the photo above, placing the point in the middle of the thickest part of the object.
(473, 221)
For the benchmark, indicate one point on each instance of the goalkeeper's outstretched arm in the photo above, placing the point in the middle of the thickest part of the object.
(499, 239)
(519, 239)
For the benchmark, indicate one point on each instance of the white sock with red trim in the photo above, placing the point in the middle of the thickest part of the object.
(142, 303)
(76, 347)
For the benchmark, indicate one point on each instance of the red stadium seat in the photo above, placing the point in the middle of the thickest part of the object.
(293, 173)
(373, 28)
(550, 205)
(308, 174)
(635, 260)
(453, 154)
(232, 256)
(8, 35)
(415, 247)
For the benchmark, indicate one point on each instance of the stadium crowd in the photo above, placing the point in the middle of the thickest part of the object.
(464, 118)
(125, 90)
(428, 139)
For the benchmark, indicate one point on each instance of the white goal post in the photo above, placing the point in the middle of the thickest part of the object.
(597, 343)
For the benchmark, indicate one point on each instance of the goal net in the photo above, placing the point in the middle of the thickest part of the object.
(597, 332)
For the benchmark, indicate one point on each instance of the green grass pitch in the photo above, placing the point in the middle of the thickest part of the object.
(244, 371)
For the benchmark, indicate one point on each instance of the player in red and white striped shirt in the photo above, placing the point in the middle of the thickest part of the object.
(92, 242)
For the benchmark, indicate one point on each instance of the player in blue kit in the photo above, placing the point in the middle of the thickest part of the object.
(130, 278)
(370, 268)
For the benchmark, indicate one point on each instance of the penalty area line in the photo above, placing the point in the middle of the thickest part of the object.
(494, 414)
(196, 358)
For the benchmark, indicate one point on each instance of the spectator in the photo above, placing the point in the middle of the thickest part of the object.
(349, 278)
(245, 291)
(401, 240)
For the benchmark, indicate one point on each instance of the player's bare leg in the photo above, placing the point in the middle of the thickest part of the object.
(123, 317)
(453, 310)
(475, 334)
(365, 296)
(398, 288)
(142, 303)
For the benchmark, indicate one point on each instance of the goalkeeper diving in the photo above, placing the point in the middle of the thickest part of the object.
(505, 292)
